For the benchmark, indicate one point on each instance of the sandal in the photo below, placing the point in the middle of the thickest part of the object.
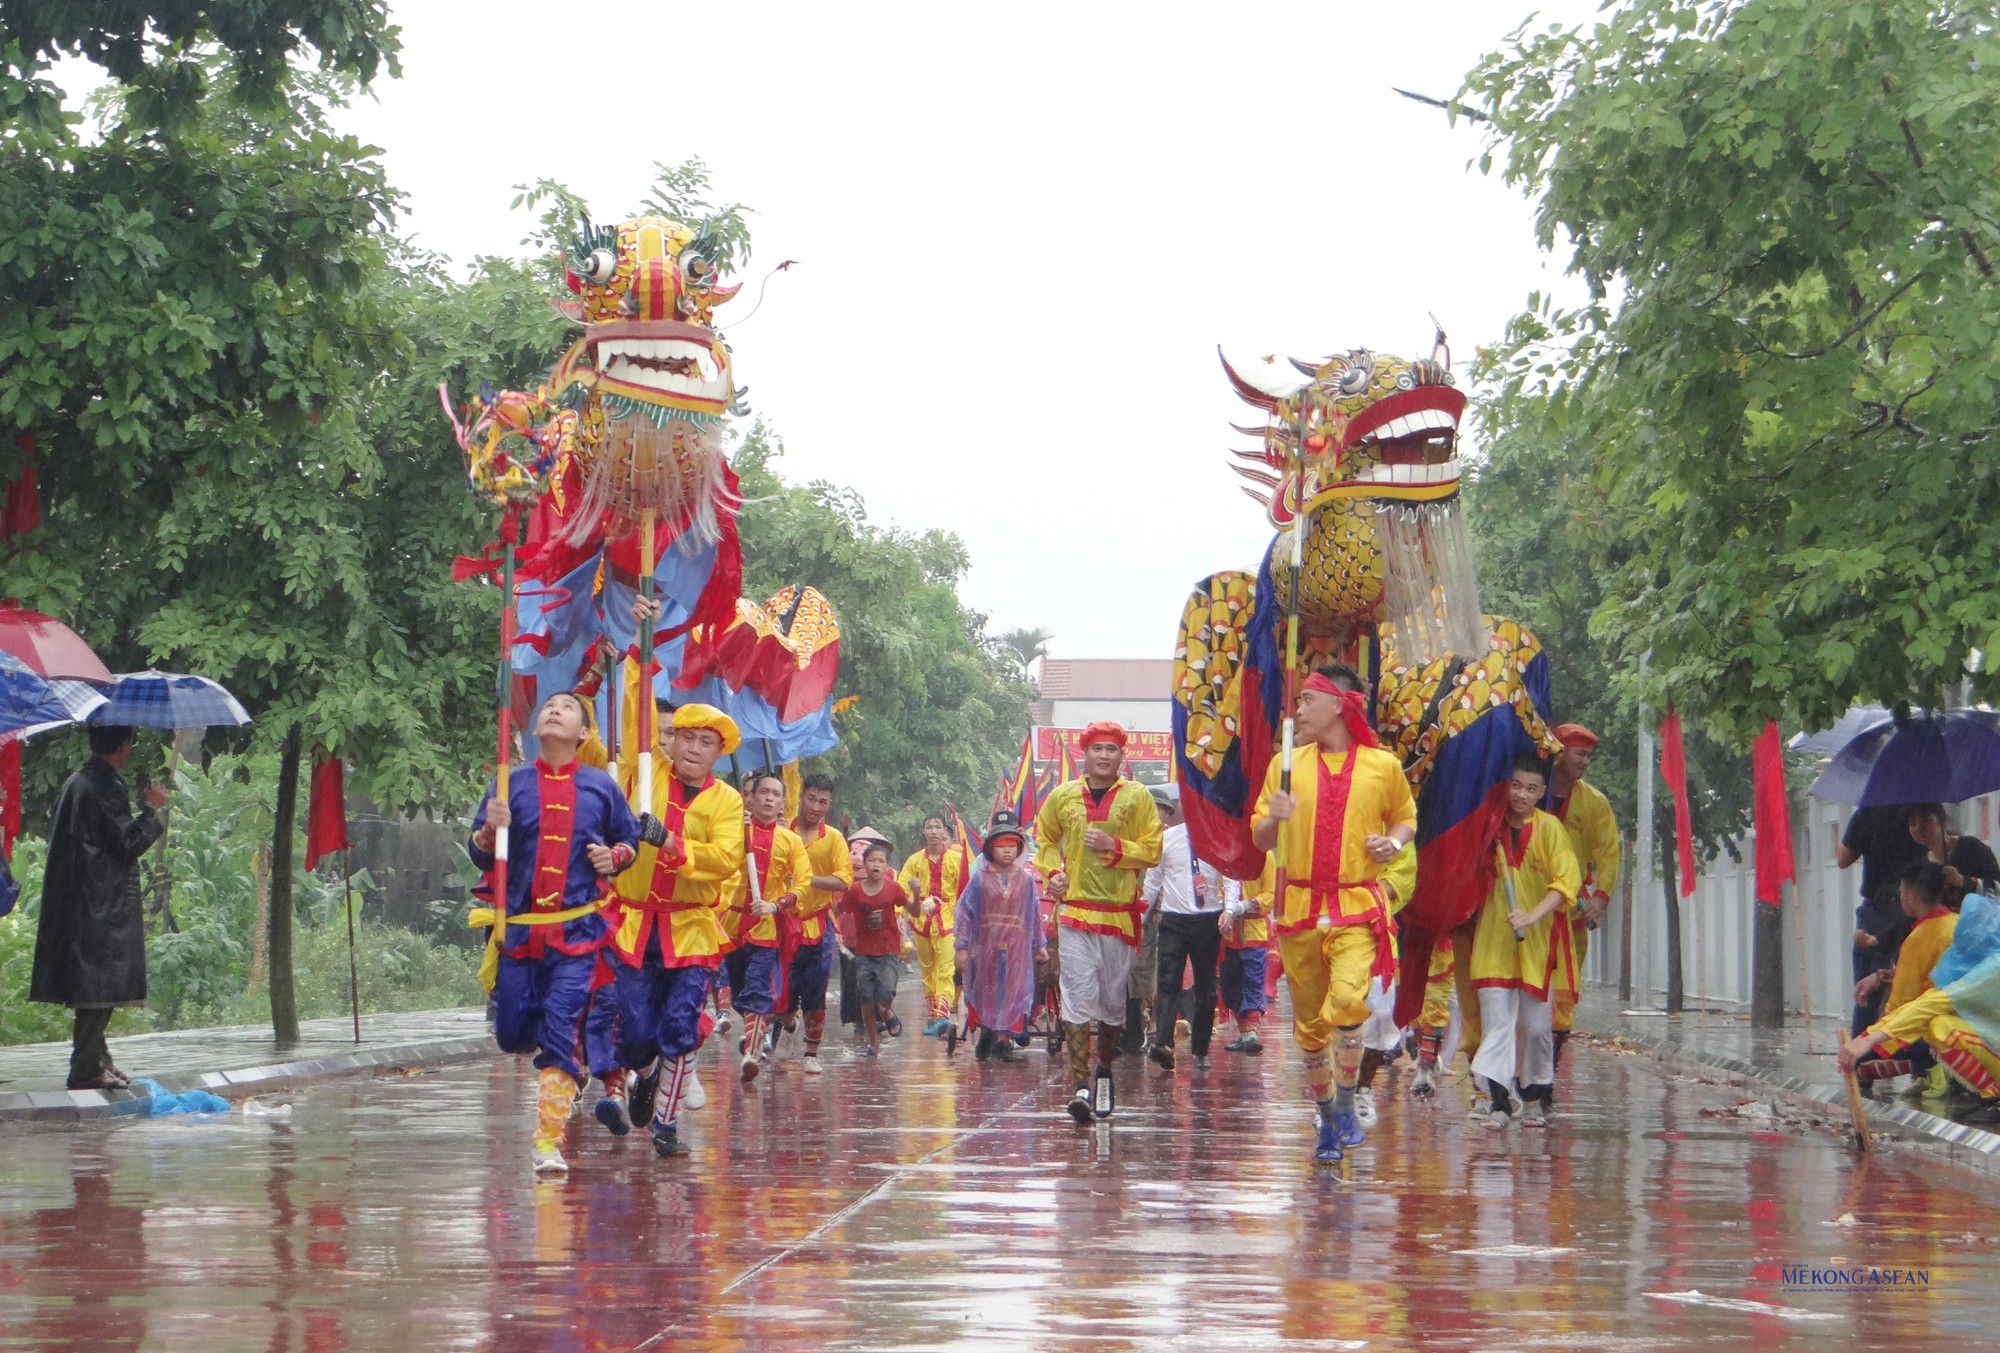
(105, 1081)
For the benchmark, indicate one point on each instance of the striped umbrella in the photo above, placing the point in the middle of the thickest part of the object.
(169, 700)
(30, 703)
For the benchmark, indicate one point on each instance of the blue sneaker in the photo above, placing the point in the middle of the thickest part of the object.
(1328, 1150)
(936, 1028)
(614, 1114)
(1349, 1128)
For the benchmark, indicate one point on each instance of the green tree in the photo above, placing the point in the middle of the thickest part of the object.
(939, 714)
(1026, 644)
(1786, 213)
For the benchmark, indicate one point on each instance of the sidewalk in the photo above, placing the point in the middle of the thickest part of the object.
(235, 1062)
(1793, 1064)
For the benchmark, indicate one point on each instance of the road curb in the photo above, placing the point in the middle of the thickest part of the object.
(1967, 1147)
(77, 1106)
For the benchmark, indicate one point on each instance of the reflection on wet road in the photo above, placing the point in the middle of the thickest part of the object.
(935, 1203)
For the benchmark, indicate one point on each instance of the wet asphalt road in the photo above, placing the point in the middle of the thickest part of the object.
(931, 1202)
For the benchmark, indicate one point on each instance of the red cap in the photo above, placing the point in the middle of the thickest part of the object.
(1103, 731)
(1575, 735)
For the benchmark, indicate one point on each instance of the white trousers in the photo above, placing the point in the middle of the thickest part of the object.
(1096, 973)
(1380, 1033)
(1509, 1014)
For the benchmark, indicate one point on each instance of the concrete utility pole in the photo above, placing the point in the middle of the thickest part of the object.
(1642, 852)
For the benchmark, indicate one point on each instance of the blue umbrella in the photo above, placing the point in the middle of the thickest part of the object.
(1928, 758)
(1845, 729)
(169, 700)
(30, 702)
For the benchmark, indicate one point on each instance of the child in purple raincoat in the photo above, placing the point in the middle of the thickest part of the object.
(998, 940)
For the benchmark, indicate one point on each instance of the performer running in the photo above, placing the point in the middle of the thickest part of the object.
(1351, 814)
(1521, 953)
(1246, 944)
(832, 866)
(1094, 838)
(870, 908)
(933, 878)
(1436, 1034)
(1593, 838)
(758, 964)
(670, 942)
(1380, 1038)
(567, 828)
(998, 941)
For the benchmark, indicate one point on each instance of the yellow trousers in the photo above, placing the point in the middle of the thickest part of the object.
(1566, 1009)
(1965, 1055)
(1437, 1003)
(937, 965)
(1327, 972)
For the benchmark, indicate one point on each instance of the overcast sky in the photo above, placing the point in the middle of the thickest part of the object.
(1021, 232)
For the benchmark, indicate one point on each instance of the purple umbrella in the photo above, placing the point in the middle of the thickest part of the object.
(1928, 758)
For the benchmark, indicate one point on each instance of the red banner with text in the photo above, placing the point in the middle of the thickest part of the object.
(1138, 746)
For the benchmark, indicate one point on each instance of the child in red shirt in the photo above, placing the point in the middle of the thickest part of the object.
(869, 908)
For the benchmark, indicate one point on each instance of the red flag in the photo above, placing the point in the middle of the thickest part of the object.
(21, 505)
(1773, 816)
(10, 795)
(326, 811)
(1674, 770)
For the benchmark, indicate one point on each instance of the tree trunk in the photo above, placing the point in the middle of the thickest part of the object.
(1767, 970)
(1676, 992)
(284, 997)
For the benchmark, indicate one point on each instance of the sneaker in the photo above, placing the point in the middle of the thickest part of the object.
(1006, 1050)
(1161, 1056)
(1102, 1100)
(1233, 1045)
(1534, 1114)
(639, 1096)
(1481, 1110)
(1935, 1081)
(1200, 1062)
(1364, 1106)
(1079, 1105)
(1327, 1150)
(869, 1051)
(723, 1023)
(1496, 1119)
(667, 1142)
(982, 1047)
(1425, 1083)
(693, 1097)
(810, 1063)
(748, 1071)
(548, 1160)
(1250, 1042)
(1182, 1029)
(936, 1028)
(611, 1112)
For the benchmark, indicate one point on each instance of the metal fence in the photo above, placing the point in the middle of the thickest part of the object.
(1716, 921)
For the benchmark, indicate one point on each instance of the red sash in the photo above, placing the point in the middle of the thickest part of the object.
(1326, 885)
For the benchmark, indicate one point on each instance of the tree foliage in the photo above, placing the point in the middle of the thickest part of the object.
(1787, 214)
(939, 712)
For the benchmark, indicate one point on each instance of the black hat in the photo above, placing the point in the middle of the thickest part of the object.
(1004, 823)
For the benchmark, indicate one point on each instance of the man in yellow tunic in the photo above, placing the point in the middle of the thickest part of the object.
(667, 947)
(1246, 944)
(1346, 817)
(1095, 838)
(932, 879)
(832, 864)
(1921, 891)
(1521, 952)
(1593, 837)
(761, 917)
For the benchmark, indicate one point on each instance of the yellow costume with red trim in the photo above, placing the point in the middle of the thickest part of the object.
(1931, 1018)
(1103, 892)
(1340, 799)
(1542, 960)
(827, 856)
(943, 878)
(1593, 838)
(677, 895)
(1922, 948)
(783, 871)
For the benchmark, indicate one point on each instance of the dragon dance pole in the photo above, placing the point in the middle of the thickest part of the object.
(648, 709)
(504, 706)
(1301, 522)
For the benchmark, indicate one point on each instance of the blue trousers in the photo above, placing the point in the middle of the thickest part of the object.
(753, 979)
(1243, 980)
(810, 967)
(600, 1030)
(659, 1011)
(540, 1004)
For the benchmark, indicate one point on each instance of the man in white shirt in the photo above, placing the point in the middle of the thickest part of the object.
(1188, 896)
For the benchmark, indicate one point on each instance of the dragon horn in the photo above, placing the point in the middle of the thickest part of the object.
(1264, 477)
(1307, 368)
(1261, 499)
(1245, 391)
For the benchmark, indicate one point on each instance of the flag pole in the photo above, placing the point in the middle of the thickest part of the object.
(504, 720)
(353, 965)
(1301, 522)
(648, 704)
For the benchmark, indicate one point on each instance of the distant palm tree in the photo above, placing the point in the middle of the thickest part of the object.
(1027, 644)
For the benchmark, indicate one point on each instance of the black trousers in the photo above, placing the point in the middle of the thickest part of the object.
(1188, 939)
(850, 992)
(90, 1056)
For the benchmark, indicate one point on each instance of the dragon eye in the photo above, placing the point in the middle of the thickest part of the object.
(696, 267)
(598, 268)
(1354, 380)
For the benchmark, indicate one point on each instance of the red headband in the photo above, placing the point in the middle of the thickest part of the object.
(1353, 709)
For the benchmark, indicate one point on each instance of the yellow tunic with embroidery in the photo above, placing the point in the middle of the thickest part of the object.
(787, 872)
(1378, 798)
(915, 876)
(1254, 932)
(827, 856)
(1922, 948)
(1103, 891)
(708, 852)
(1593, 838)
(1537, 963)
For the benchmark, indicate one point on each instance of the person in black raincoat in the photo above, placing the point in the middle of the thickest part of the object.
(90, 947)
